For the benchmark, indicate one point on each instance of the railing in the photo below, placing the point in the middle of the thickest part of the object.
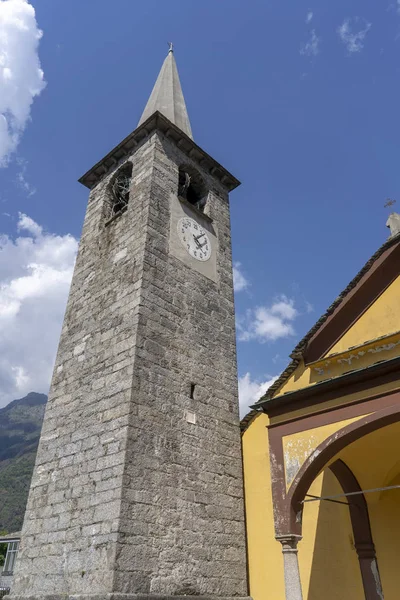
(4, 591)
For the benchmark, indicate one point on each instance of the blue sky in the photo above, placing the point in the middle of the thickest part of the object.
(299, 100)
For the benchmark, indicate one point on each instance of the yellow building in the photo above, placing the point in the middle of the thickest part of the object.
(325, 441)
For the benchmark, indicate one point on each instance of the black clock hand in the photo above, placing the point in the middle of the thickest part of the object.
(196, 238)
(199, 246)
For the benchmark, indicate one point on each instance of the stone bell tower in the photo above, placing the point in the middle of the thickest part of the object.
(137, 488)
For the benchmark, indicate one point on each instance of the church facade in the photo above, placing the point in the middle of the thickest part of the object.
(138, 490)
(321, 451)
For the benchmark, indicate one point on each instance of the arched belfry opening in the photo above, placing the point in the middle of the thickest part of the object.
(192, 187)
(120, 190)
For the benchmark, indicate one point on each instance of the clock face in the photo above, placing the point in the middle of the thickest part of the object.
(194, 238)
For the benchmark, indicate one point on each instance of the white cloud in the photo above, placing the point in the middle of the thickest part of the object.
(268, 323)
(284, 309)
(276, 359)
(35, 274)
(21, 78)
(353, 40)
(311, 48)
(309, 307)
(250, 391)
(28, 224)
(21, 180)
(240, 282)
(310, 15)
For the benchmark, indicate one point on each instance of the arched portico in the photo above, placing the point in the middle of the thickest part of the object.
(325, 452)
(333, 422)
(327, 455)
(360, 521)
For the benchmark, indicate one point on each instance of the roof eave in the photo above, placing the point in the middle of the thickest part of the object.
(158, 121)
(298, 352)
(343, 381)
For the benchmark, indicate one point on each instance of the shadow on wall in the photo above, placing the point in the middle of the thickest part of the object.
(385, 525)
(334, 572)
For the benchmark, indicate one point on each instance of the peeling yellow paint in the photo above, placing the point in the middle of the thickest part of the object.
(357, 357)
(379, 320)
(299, 446)
(340, 401)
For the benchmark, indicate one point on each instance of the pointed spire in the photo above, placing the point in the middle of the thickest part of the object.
(167, 96)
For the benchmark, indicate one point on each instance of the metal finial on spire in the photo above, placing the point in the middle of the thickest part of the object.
(171, 47)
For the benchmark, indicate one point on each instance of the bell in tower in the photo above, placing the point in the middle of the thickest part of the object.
(137, 489)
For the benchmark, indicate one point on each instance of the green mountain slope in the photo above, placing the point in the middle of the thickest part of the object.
(20, 425)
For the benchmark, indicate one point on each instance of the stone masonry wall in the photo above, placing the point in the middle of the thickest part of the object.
(182, 529)
(127, 495)
(72, 518)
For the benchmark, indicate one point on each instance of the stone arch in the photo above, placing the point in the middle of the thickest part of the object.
(360, 522)
(119, 189)
(327, 450)
(192, 187)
